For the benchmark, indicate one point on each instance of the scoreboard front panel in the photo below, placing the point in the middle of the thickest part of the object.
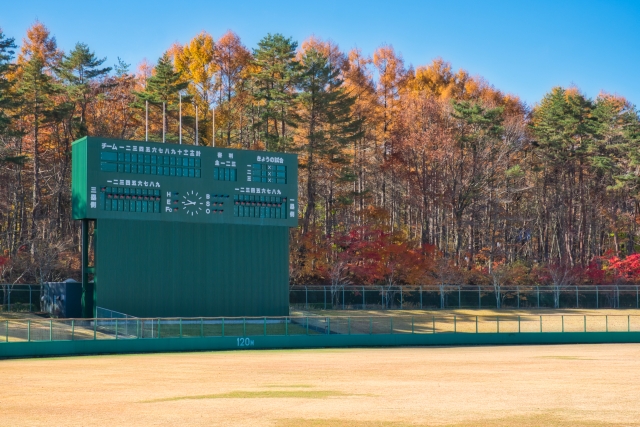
(118, 179)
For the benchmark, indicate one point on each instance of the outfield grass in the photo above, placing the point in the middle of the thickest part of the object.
(563, 385)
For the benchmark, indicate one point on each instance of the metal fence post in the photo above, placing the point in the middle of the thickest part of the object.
(328, 326)
(433, 329)
(348, 325)
(519, 324)
(325, 297)
(95, 324)
(363, 300)
(391, 324)
(244, 326)
(401, 298)
(498, 324)
(306, 298)
(538, 292)
(562, 323)
(28, 330)
(370, 326)
(343, 297)
(606, 320)
(628, 323)
(421, 297)
(597, 298)
(116, 328)
(479, 298)
(307, 326)
(540, 323)
(382, 298)
(159, 323)
(412, 327)
(265, 326)
(518, 293)
(476, 324)
(223, 326)
(7, 331)
(577, 302)
(50, 330)
(201, 327)
(585, 323)
(286, 326)
(72, 329)
(30, 308)
(459, 298)
(455, 327)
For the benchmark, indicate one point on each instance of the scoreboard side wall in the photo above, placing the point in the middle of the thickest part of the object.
(192, 270)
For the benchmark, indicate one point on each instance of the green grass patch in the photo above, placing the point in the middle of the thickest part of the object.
(288, 386)
(565, 357)
(267, 394)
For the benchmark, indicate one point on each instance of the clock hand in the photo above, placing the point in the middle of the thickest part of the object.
(190, 203)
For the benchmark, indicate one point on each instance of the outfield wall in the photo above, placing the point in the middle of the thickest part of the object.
(75, 348)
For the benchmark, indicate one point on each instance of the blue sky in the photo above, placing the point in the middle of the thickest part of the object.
(521, 47)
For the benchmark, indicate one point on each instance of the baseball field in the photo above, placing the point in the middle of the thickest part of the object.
(564, 385)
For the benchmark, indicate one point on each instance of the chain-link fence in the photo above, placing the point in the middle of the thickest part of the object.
(20, 297)
(470, 297)
(28, 298)
(133, 328)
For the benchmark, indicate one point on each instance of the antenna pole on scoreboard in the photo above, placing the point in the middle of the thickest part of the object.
(196, 124)
(213, 121)
(180, 118)
(146, 120)
(163, 122)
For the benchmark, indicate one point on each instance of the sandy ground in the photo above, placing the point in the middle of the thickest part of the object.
(569, 385)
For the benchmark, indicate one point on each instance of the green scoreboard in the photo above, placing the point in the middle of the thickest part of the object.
(183, 230)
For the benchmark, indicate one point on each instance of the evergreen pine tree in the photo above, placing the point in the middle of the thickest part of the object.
(7, 97)
(6, 100)
(163, 87)
(77, 71)
(37, 90)
(275, 83)
(326, 124)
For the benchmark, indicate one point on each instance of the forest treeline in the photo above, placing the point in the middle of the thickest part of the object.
(408, 175)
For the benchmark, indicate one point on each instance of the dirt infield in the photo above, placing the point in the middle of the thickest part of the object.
(579, 385)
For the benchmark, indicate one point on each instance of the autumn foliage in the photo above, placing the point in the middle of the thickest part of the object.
(409, 175)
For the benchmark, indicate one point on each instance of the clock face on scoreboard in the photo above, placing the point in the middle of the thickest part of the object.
(185, 183)
(192, 203)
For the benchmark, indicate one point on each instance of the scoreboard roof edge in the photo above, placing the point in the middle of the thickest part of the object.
(153, 181)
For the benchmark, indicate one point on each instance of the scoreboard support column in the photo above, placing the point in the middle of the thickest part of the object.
(88, 289)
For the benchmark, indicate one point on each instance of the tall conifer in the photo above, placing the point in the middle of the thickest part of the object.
(275, 82)
(163, 87)
(77, 71)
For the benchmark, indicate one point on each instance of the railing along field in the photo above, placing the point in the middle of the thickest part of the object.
(36, 330)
